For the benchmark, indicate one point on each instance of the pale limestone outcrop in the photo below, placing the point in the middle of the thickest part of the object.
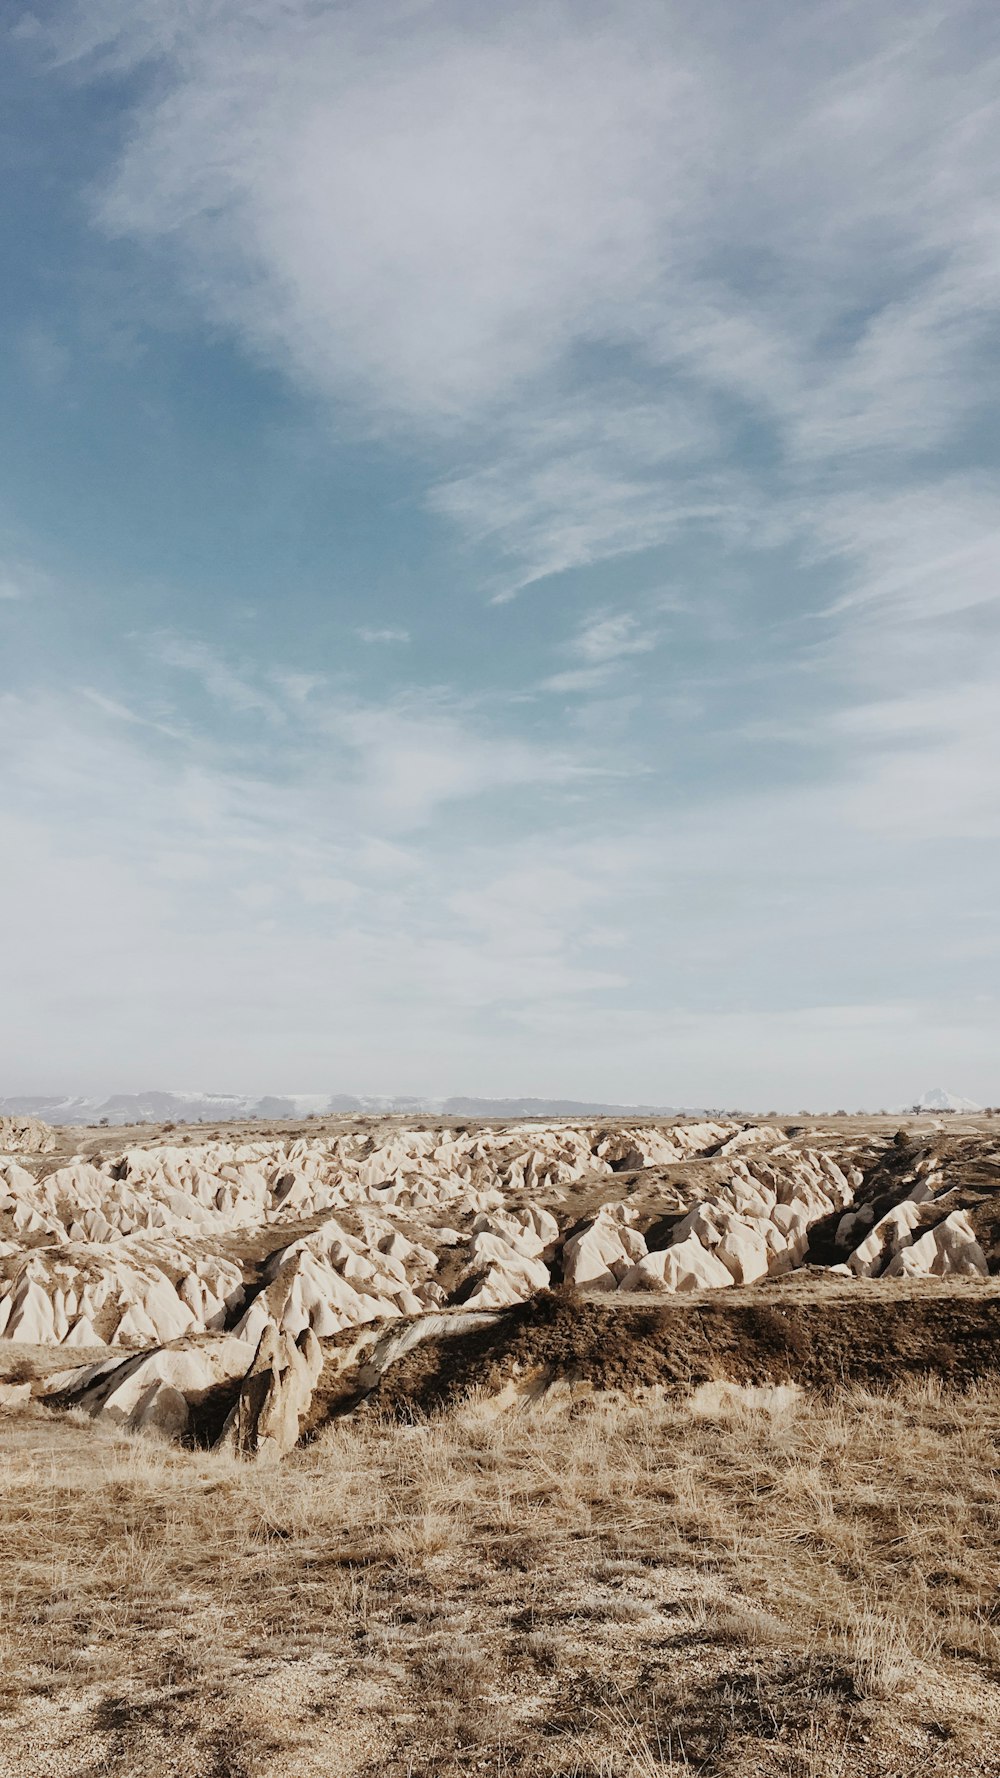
(121, 1236)
(599, 1255)
(152, 1390)
(378, 1231)
(127, 1250)
(508, 1254)
(130, 1228)
(273, 1396)
(25, 1135)
(510, 1278)
(755, 1225)
(885, 1239)
(15, 1180)
(950, 1248)
(161, 1390)
(686, 1266)
(134, 1293)
(217, 1187)
(744, 1251)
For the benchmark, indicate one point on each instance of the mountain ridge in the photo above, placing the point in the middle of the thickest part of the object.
(156, 1106)
(191, 1107)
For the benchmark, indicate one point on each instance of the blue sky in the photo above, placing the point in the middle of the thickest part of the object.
(499, 548)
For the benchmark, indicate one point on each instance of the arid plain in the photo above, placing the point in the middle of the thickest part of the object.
(379, 1446)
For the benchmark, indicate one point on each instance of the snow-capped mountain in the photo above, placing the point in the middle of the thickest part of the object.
(936, 1099)
(194, 1107)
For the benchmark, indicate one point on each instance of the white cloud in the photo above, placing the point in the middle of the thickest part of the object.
(120, 712)
(576, 679)
(610, 281)
(603, 642)
(299, 687)
(43, 357)
(754, 934)
(288, 894)
(571, 251)
(224, 684)
(386, 634)
(413, 754)
(21, 579)
(931, 765)
(609, 637)
(425, 202)
(391, 763)
(919, 551)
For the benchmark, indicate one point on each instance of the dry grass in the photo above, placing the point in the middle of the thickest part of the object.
(618, 1593)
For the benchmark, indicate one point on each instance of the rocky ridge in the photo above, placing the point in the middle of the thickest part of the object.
(200, 1275)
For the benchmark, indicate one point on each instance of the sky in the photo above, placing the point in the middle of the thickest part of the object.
(500, 548)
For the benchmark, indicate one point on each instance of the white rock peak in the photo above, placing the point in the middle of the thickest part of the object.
(211, 1261)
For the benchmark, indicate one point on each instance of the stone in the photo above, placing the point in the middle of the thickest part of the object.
(273, 1396)
(151, 1391)
(366, 1227)
(949, 1249)
(891, 1233)
(744, 1252)
(25, 1135)
(686, 1266)
(597, 1256)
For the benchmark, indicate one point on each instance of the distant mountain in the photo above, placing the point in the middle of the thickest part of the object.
(551, 1108)
(160, 1107)
(936, 1099)
(194, 1108)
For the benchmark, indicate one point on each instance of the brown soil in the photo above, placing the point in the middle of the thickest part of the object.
(850, 1335)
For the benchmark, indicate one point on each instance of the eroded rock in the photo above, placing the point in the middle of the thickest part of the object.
(273, 1396)
(260, 1249)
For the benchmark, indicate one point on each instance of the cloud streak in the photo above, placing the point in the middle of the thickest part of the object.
(396, 920)
(576, 254)
(623, 297)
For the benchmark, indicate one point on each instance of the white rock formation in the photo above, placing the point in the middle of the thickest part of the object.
(599, 1255)
(25, 1135)
(948, 1248)
(273, 1396)
(887, 1237)
(220, 1250)
(687, 1265)
(152, 1390)
(116, 1251)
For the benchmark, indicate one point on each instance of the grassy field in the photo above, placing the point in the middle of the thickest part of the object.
(806, 1588)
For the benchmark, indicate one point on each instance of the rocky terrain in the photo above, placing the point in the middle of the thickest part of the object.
(232, 1285)
(609, 1447)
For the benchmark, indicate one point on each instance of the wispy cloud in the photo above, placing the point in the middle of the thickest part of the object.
(712, 284)
(386, 634)
(579, 255)
(609, 637)
(392, 762)
(21, 579)
(474, 945)
(120, 712)
(602, 644)
(225, 684)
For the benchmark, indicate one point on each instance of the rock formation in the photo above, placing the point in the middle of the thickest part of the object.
(274, 1395)
(222, 1264)
(25, 1135)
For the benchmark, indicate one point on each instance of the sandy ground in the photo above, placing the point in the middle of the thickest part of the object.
(793, 1584)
